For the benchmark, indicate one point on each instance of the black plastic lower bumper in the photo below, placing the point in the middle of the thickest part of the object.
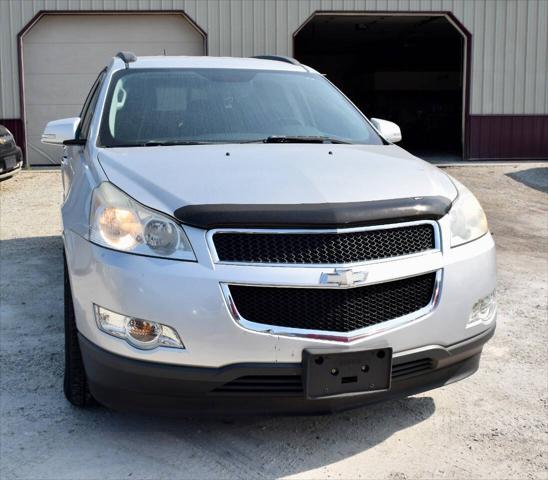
(11, 161)
(126, 384)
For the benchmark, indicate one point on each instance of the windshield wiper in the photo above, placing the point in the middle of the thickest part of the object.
(303, 139)
(271, 139)
(168, 143)
(157, 143)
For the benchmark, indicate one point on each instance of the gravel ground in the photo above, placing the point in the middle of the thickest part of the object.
(492, 425)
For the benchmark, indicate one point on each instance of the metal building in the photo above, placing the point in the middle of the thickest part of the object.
(464, 78)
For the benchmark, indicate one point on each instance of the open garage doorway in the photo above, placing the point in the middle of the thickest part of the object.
(409, 69)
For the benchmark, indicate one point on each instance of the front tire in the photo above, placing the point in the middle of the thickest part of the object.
(75, 382)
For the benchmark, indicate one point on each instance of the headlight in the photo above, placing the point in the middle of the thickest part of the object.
(468, 221)
(119, 222)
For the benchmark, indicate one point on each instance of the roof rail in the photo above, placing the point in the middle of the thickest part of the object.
(278, 58)
(127, 57)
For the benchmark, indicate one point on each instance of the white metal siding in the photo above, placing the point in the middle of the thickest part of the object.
(509, 38)
(62, 55)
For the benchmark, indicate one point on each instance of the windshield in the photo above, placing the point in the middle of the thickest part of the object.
(156, 106)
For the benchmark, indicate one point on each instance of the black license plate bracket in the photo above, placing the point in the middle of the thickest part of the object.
(328, 373)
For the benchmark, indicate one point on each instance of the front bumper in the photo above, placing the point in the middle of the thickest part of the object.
(127, 384)
(188, 297)
(5, 170)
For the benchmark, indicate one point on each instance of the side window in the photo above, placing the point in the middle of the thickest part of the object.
(89, 107)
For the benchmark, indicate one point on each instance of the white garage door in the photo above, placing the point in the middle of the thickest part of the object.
(63, 54)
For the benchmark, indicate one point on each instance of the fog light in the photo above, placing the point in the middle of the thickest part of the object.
(143, 334)
(140, 333)
(483, 311)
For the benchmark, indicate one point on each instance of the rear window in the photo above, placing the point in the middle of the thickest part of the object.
(226, 106)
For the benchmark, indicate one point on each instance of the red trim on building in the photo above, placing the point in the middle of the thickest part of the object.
(507, 137)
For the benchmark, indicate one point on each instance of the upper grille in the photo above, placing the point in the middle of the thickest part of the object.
(334, 310)
(323, 248)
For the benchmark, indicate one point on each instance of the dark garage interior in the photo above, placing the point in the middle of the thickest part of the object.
(404, 68)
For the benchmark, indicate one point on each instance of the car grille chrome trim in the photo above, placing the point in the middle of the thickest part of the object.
(215, 257)
(335, 336)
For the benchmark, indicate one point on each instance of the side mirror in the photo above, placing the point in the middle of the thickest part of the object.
(389, 130)
(58, 131)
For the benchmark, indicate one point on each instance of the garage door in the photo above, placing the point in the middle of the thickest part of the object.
(62, 55)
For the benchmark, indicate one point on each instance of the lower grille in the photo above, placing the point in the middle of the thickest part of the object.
(412, 368)
(292, 384)
(333, 310)
(264, 384)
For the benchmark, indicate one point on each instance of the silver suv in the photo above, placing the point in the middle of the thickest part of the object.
(238, 235)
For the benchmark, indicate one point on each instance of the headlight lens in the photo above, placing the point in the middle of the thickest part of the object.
(140, 333)
(119, 222)
(7, 138)
(468, 220)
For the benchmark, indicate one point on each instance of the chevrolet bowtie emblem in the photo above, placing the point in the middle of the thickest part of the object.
(343, 277)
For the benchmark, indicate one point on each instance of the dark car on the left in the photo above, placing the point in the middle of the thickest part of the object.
(11, 158)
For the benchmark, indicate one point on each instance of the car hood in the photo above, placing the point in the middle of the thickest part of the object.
(167, 178)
